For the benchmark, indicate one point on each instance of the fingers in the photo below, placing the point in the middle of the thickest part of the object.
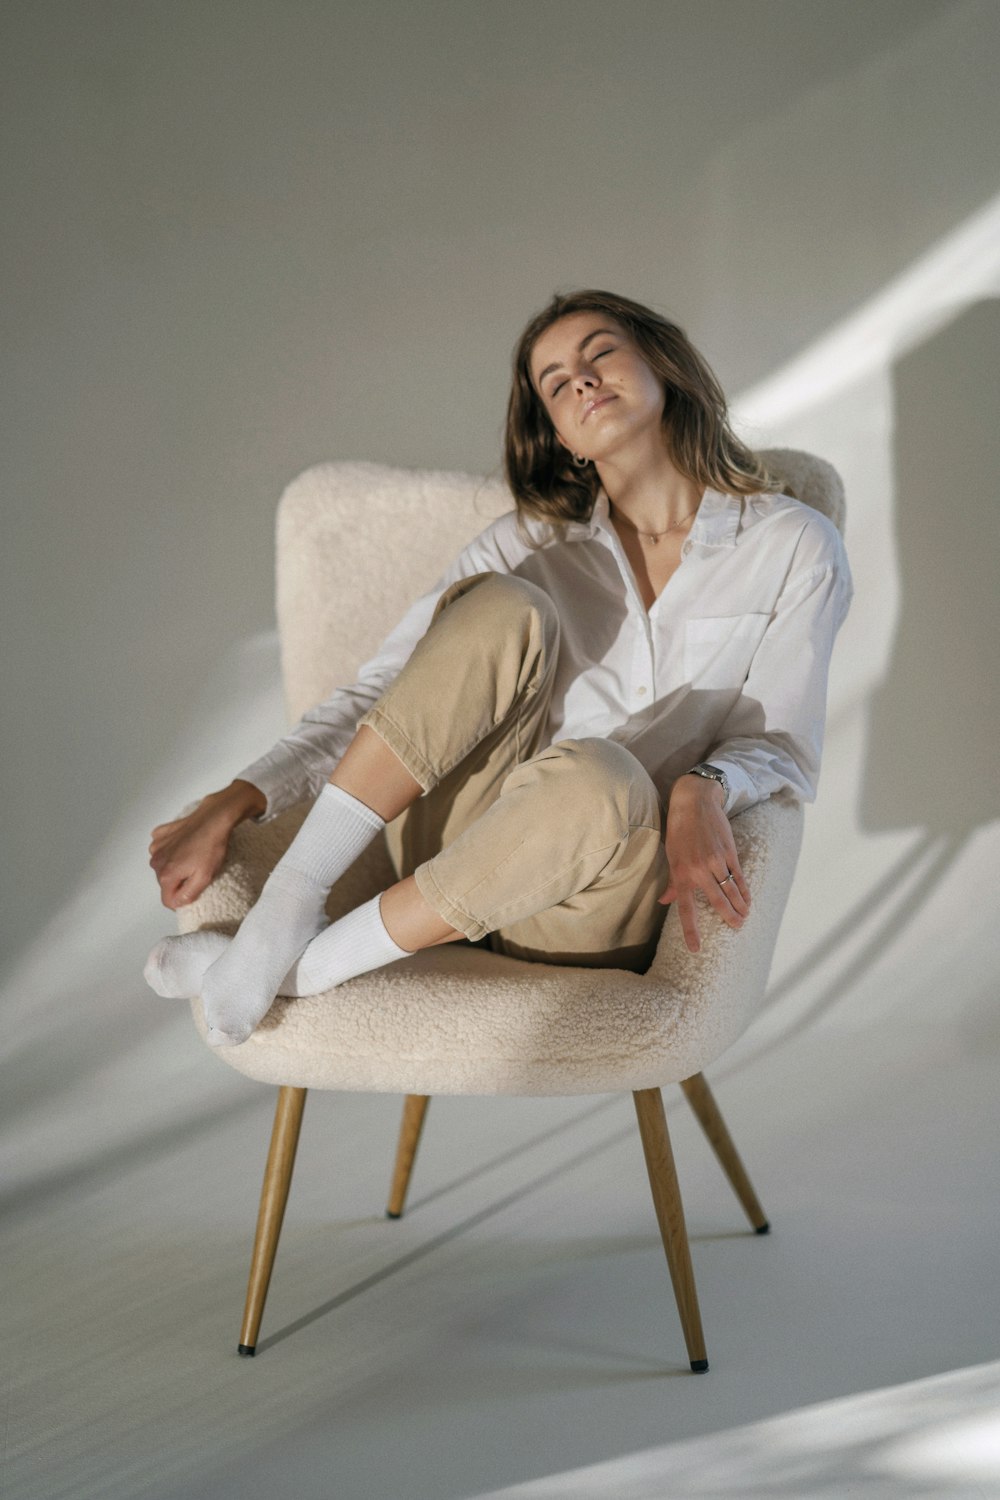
(184, 864)
(171, 898)
(682, 894)
(728, 897)
(172, 887)
(179, 887)
(180, 891)
(737, 890)
(162, 830)
(688, 913)
(182, 877)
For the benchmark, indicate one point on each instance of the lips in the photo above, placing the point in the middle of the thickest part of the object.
(596, 405)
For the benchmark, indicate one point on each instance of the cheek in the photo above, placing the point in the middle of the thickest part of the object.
(550, 415)
(652, 389)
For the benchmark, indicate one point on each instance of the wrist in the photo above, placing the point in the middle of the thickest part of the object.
(706, 770)
(241, 799)
(691, 787)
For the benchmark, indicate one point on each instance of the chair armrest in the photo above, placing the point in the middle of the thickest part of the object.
(458, 1020)
(732, 968)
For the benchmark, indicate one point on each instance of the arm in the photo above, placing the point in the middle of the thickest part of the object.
(299, 765)
(772, 739)
(189, 852)
(701, 854)
(770, 742)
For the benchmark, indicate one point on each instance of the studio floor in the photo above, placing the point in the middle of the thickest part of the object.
(515, 1333)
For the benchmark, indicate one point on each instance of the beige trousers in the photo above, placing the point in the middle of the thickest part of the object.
(552, 854)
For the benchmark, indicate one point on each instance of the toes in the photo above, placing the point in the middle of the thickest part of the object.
(153, 969)
(219, 1038)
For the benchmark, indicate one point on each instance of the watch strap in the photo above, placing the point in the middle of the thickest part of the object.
(712, 773)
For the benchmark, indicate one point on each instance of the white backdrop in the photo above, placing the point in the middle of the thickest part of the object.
(244, 236)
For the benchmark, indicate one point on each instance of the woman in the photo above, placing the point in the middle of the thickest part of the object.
(558, 732)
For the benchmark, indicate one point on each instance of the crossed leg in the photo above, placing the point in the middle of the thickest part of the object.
(375, 775)
(503, 838)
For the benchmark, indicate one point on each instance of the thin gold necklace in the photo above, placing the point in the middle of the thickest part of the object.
(652, 536)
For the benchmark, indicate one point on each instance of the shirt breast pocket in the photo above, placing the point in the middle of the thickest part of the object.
(718, 649)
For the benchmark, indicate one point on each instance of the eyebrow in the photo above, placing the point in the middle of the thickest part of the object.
(579, 349)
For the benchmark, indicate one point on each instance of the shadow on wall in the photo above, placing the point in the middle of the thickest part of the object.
(931, 760)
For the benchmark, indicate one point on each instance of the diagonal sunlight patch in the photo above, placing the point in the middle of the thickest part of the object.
(933, 1438)
(960, 268)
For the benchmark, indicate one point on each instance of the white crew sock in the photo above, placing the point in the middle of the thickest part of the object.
(238, 987)
(176, 966)
(352, 945)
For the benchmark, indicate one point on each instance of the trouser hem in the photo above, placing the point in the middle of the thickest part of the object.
(401, 746)
(475, 928)
(454, 915)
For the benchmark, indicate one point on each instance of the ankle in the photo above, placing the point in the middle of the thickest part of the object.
(411, 921)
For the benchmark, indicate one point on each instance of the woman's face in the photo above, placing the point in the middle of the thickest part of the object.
(597, 389)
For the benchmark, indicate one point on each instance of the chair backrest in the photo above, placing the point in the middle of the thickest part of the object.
(357, 543)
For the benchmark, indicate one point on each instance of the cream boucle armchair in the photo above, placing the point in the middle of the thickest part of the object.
(355, 544)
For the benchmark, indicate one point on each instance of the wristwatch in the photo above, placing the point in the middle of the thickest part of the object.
(712, 773)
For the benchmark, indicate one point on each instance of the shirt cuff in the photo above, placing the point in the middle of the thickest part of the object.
(743, 792)
(271, 779)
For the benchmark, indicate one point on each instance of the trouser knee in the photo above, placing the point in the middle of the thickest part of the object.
(597, 779)
(509, 602)
(474, 695)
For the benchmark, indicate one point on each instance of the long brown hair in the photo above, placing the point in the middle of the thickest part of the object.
(545, 482)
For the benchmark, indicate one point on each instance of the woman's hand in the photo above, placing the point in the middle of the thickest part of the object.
(701, 854)
(189, 852)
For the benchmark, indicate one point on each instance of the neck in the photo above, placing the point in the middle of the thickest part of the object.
(653, 496)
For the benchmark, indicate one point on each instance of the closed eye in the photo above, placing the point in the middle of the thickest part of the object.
(557, 388)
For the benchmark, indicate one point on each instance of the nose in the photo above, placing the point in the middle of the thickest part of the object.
(586, 379)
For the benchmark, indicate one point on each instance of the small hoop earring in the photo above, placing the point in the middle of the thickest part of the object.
(580, 461)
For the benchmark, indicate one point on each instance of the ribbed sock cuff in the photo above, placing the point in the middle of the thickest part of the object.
(336, 831)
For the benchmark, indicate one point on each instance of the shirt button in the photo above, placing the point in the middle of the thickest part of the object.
(641, 692)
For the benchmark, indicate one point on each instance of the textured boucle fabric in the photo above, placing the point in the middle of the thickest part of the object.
(336, 603)
(809, 479)
(356, 544)
(461, 1020)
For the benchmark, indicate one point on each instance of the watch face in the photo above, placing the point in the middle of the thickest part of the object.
(712, 773)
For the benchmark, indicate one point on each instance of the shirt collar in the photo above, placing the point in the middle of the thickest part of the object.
(716, 524)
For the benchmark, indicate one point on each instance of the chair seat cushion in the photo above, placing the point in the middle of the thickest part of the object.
(458, 1019)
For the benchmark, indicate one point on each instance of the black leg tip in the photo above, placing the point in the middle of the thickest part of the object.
(764, 1228)
(246, 1350)
(699, 1366)
(390, 1215)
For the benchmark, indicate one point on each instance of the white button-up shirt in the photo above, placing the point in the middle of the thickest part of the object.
(729, 664)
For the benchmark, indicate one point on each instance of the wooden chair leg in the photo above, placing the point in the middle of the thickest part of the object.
(670, 1215)
(414, 1114)
(273, 1197)
(699, 1096)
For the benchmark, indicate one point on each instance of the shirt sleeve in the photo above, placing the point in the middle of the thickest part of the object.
(772, 738)
(296, 768)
